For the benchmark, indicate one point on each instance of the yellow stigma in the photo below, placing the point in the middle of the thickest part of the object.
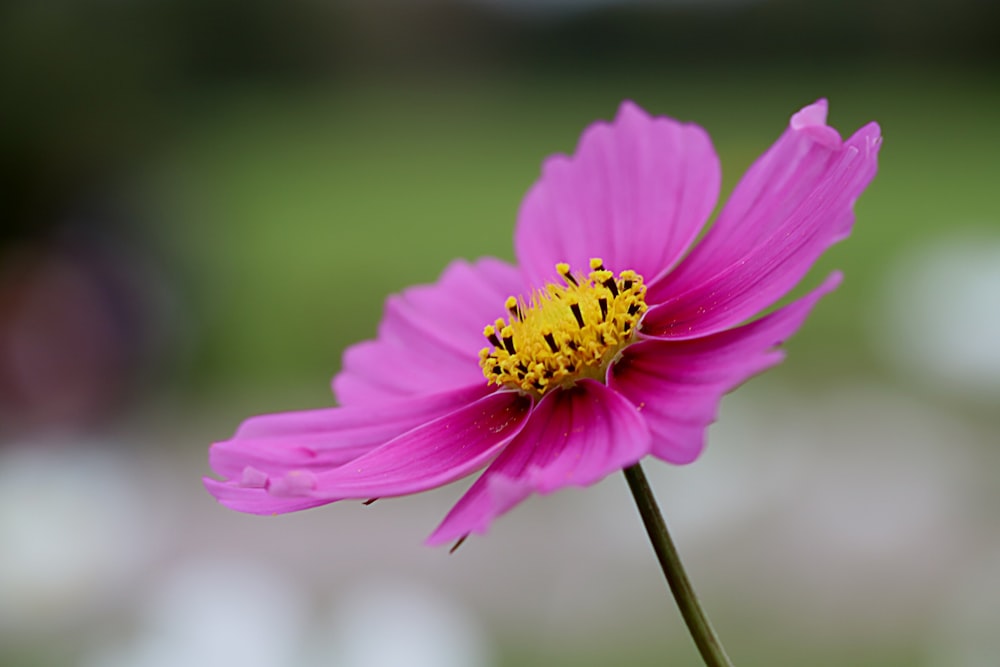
(566, 332)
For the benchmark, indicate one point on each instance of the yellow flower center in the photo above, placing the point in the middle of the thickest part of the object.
(566, 332)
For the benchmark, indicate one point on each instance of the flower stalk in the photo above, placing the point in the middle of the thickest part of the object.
(698, 624)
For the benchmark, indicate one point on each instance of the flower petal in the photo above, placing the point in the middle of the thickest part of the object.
(318, 440)
(678, 384)
(431, 455)
(430, 335)
(636, 194)
(256, 500)
(271, 476)
(575, 437)
(792, 204)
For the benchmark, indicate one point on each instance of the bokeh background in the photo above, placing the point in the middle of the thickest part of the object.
(203, 202)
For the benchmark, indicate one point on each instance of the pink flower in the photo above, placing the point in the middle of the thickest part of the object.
(614, 338)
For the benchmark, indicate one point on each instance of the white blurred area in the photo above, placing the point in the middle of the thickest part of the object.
(205, 612)
(75, 532)
(937, 318)
(247, 612)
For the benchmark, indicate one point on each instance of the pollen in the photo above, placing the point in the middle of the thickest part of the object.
(564, 333)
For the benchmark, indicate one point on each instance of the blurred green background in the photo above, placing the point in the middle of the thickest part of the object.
(203, 203)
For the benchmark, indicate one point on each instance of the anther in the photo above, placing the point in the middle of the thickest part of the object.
(491, 336)
(551, 340)
(628, 279)
(597, 264)
(603, 303)
(508, 340)
(563, 270)
(575, 307)
(612, 286)
(508, 344)
(513, 308)
(633, 309)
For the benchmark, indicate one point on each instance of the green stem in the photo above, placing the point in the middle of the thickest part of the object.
(701, 630)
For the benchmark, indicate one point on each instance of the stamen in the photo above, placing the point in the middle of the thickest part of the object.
(508, 340)
(491, 336)
(565, 332)
(563, 270)
(513, 308)
(551, 340)
(612, 287)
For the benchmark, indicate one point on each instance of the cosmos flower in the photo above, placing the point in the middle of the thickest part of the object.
(615, 337)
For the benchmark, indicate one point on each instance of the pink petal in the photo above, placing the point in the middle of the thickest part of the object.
(792, 204)
(433, 454)
(575, 437)
(319, 440)
(636, 194)
(256, 500)
(274, 479)
(430, 335)
(678, 384)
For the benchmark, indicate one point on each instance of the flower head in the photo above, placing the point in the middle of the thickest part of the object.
(612, 340)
